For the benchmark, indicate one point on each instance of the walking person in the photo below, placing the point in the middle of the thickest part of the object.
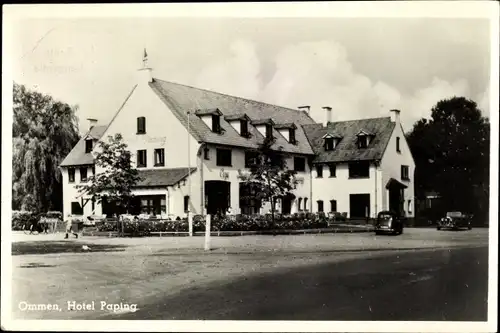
(70, 227)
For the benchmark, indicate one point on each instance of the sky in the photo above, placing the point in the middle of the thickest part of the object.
(361, 67)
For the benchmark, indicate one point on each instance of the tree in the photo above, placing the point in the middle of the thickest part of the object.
(269, 177)
(451, 152)
(44, 131)
(117, 178)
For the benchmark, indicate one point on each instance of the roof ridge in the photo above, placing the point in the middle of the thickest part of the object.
(239, 97)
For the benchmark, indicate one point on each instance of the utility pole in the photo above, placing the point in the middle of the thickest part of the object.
(190, 218)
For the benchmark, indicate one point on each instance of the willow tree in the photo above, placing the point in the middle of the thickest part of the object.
(44, 132)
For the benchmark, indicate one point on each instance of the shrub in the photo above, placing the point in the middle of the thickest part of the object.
(23, 218)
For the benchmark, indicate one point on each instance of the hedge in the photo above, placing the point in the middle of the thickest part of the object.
(141, 227)
(23, 218)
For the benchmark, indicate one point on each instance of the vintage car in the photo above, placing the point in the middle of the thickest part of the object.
(455, 220)
(389, 222)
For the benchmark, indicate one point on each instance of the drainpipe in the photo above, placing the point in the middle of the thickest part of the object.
(376, 188)
(310, 187)
(202, 180)
(190, 220)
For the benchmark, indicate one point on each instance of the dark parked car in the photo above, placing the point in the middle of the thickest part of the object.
(455, 220)
(389, 222)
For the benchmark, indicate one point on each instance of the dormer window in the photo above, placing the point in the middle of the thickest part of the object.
(216, 123)
(88, 146)
(288, 130)
(331, 141)
(269, 131)
(364, 139)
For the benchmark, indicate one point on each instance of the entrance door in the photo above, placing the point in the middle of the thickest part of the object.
(218, 196)
(359, 205)
(286, 205)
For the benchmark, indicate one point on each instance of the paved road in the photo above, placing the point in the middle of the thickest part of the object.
(421, 275)
(436, 285)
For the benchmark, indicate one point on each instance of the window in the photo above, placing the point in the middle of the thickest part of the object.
(320, 206)
(299, 203)
(329, 144)
(88, 146)
(160, 157)
(319, 171)
(359, 169)
(206, 153)
(71, 175)
(305, 204)
(250, 158)
(216, 123)
(405, 172)
(76, 208)
(141, 125)
(249, 204)
(83, 174)
(141, 158)
(409, 206)
(398, 148)
(333, 205)
(186, 203)
(362, 141)
(93, 170)
(244, 128)
(333, 170)
(269, 131)
(153, 204)
(299, 164)
(224, 157)
(291, 133)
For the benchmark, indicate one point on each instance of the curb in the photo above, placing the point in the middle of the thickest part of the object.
(241, 233)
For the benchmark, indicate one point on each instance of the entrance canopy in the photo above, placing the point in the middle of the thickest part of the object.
(394, 183)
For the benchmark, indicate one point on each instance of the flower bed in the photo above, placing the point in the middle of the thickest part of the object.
(144, 227)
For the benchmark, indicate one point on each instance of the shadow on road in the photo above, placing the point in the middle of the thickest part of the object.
(52, 247)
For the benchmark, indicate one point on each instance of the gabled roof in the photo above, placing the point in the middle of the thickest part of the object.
(77, 155)
(162, 177)
(363, 132)
(331, 135)
(206, 112)
(347, 149)
(182, 99)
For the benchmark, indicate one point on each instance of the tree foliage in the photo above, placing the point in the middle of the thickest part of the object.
(269, 177)
(451, 152)
(116, 177)
(44, 132)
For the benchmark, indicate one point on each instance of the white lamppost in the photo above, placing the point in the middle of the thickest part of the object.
(190, 219)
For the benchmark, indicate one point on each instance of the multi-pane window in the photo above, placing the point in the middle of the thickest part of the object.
(141, 125)
(88, 146)
(333, 205)
(160, 157)
(141, 158)
(360, 169)
(319, 170)
(186, 203)
(76, 208)
(320, 206)
(71, 175)
(362, 141)
(405, 172)
(333, 170)
(224, 157)
(250, 158)
(329, 145)
(291, 134)
(216, 123)
(299, 164)
(83, 174)
(299, 204)
(244, 127)
(398, 148)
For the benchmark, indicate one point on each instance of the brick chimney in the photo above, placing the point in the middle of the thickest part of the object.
(395, 116)
(328, 115)
(305, 108)
(92, 122)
